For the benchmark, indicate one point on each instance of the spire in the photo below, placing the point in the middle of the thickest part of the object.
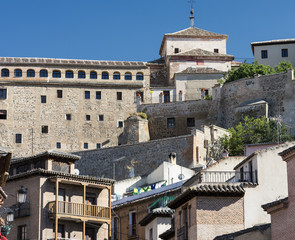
(192, 18)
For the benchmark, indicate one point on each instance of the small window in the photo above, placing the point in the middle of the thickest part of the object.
(285, 52)
(5, 72)
(98, 95)
(120, 124)
(3, 93)
(119, 95)
(30, 73)
(101, 118)
(176, 50)
(85, 145)
(44, 129)
(216, 50)
(58, 145)
(170, 122)
(59, 93)
(139, 76)
(18, 138)
(18, 73)
(105, 75)
(56, 74)
(43, 73)
(87, 94)
(93, 75)
(98, 145)
(69, 74)
(69, 117)
(190, 122)
(81, 74)
(128, 76)
(22, 232)
(3, 114)
(116, 76)
(264, 54)
(140, 94)
(87, 117)
(43, 99)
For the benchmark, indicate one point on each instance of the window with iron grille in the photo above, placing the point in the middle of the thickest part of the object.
(44, 129)
(190, 122)
(285, 52)
(264, 54)
(170, 122)
(3, 93)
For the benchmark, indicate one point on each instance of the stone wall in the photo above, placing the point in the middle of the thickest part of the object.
(158, 115)
(139, 159)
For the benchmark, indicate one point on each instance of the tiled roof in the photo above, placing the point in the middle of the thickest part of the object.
(245, 160)
(201, 70)
(168, 234)
(195, 32)
(201, 53)
(55, 61)
(157, 212)
(157, 61)
(49, 153)
(285, 152)
(207, 189)
(274, 203)
(82, 178)
(231, 236)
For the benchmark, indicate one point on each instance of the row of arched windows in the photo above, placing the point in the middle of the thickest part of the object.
(70, 74)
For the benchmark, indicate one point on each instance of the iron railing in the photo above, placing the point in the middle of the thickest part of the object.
(79, 209)
(182, 233)
(228, 176)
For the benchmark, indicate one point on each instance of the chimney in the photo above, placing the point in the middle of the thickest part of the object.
(172, 158)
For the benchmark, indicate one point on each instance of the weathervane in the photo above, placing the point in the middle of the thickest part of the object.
(192, 18)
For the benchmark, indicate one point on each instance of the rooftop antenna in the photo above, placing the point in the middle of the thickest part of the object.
(192, 18)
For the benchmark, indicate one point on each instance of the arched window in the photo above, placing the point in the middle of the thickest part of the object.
(56, 74)
(4, 72)
(81, 74)
(69, 74)
(116, 76)
(93, 75)
(31, 73)
(128, 76)
(105, 75)
(18, 73)
(43, 73)
(139, 76)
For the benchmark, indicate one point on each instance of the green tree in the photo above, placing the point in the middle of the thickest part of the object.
(252, 130)
(249, 70)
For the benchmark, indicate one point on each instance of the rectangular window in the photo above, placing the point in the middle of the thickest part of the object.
(98, 145)
(119, 95)
(216, 50)
(190, 122)
(3, 114)
(43, 99)
(85, 145)
(3, 93)
(166, 96)
(98, 95)
(44, 129)
(189, 215)
(132, 223)
(87, 94)
(59, 93)
(58, 145)
(140, 94)
(18, 138)
(151, 234)
(69, 117)
(264, 54)
(22, 232)
(87, 117)
(100, 118)
(285, 52)
(170, 122)
(176, 50)
(120, 124)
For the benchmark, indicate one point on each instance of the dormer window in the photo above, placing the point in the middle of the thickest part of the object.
(176, 50)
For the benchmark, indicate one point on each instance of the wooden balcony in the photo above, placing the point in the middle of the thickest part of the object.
(74, 211)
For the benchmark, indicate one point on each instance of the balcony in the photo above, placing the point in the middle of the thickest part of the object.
(69, 210)
(182, 233)
(229, 176)
(132, 232)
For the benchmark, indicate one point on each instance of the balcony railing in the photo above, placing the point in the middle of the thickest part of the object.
(182, 233)
(228, 176)
(79, 209)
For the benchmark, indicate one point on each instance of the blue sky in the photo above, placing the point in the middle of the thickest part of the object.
(132, 30)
